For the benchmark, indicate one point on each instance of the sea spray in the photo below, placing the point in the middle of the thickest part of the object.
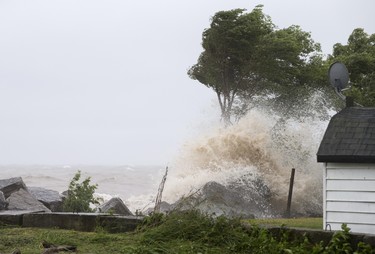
(258, 151)
(262, 145)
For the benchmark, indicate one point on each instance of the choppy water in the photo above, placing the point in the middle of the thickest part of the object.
(259, 146)
(136, 185)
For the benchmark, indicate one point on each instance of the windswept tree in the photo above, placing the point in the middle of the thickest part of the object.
(244, 55)
(230, 58)
(359, 57)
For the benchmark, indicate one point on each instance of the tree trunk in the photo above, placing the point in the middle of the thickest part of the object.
(225, 102)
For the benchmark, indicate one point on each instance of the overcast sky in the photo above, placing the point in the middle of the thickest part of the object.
(104, 82)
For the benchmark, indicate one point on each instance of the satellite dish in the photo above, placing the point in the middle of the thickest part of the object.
(338, 76)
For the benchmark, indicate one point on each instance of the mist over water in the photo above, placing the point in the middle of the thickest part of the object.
(262, 145)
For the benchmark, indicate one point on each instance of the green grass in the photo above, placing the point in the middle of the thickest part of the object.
(312, 223)
(180, 232)
(29, 240)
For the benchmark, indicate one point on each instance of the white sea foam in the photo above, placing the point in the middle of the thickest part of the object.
(259, 146)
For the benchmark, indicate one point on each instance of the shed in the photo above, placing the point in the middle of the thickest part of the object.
(348, 151)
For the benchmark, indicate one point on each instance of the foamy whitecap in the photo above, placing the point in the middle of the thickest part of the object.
(141, 202)
(261, 146)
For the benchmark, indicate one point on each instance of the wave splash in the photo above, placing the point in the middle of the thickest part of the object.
(261, 146)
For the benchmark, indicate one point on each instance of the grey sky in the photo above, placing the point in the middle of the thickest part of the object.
(104, 82)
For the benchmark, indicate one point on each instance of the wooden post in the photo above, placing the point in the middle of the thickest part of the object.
(291, 183)
(160, 192)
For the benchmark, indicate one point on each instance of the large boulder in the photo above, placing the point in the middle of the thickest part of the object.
(50, 198)
(8, 186)
(23, 200)
(232, 200)
(115, 206)
(164, 207)
(3, 203)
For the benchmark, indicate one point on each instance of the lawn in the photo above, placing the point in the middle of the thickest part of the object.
(183, 232)
(29, 240)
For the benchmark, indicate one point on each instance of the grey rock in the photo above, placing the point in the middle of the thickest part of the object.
(23, 200)
(50, 198)
(3, 203)
(115, 206)
(246, 201)
(165, 208)
(65, 194)
(8, 186)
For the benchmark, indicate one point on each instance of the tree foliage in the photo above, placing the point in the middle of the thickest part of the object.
(230, 54)
(80, 195)
(245, 56)
(359, 57)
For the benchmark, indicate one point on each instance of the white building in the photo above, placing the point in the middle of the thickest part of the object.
(348, 151)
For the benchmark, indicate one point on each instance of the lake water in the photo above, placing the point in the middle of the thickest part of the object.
(259, 146)
(136, 185)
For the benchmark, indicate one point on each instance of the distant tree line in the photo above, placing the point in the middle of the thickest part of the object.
(246, 60)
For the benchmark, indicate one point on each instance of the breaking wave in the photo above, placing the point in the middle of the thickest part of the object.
(262, 145)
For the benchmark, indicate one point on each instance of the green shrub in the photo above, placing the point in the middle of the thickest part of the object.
(203, 232)
(80, 195)
(194, 232)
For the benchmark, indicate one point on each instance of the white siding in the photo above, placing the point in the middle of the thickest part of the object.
(349, 197)
(350, 185)
(344, 206)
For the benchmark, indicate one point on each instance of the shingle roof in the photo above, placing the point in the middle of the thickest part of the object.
(350, 137)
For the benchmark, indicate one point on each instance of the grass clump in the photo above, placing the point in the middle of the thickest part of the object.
(199, 230)
(194, 232)
(312, 223)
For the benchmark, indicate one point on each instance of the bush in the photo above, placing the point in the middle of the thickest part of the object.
(80, 195)
(195, 232)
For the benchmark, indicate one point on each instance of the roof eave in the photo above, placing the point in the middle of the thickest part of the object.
(346, 158)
